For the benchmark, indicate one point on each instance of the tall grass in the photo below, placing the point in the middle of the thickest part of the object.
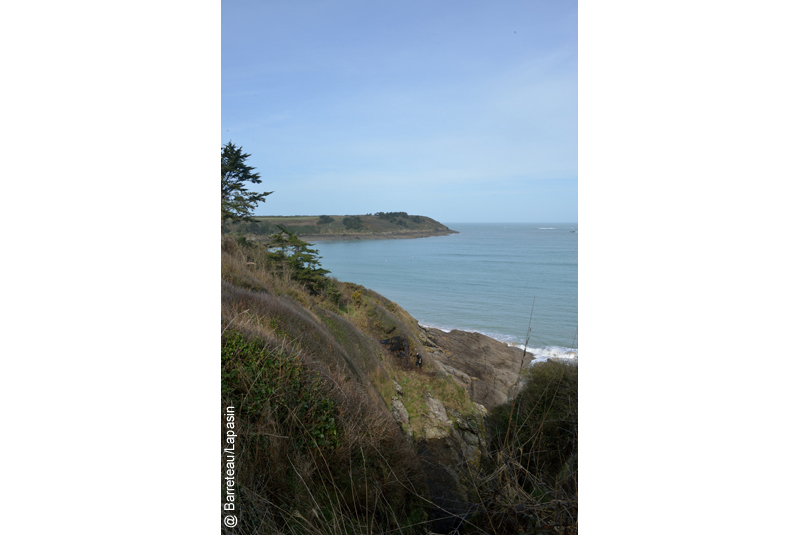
(314, 452)
(528, 481)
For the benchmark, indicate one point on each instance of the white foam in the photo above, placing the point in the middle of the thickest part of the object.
(437, 327)
(546, 228)
(543, 354)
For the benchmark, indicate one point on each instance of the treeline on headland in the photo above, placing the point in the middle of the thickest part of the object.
(377, 225)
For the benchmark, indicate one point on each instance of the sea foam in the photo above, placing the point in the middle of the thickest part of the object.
(543, 354)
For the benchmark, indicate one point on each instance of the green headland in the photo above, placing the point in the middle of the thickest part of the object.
(380, 225)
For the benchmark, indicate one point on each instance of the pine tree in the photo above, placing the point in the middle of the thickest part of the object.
(237, 202)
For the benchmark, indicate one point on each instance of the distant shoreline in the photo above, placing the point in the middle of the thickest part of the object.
(377, 226)
(401, 235)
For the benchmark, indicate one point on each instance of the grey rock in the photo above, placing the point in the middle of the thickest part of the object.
(434, 432)
(399, 411)
(436, 408)
(487, 369)
(470, 437)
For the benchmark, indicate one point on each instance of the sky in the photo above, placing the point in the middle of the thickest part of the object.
(464, 111)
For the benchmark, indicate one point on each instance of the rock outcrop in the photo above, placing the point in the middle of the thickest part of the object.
(486, 368)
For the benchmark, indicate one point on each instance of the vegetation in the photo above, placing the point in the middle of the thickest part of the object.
(295, 259)
(390, 215)
(293, 359)
(313, 454)
(528, 482)
(238, 202)
(352, 222)
(261, 227)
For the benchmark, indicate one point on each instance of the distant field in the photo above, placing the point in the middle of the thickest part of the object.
(380, 223)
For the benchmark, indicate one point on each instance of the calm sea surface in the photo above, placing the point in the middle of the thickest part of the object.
(483, 279)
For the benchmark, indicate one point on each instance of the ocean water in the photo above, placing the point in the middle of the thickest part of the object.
(483, 279)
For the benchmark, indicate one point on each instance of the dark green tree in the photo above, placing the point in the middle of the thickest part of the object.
(353, 222)
(298, 260)
(238, 202)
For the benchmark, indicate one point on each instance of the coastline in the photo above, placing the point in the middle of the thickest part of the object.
(394, 235)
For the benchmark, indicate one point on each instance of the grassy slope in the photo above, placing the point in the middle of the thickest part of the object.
(312, 385)
(344, 334)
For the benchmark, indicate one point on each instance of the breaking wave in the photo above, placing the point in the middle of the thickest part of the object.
(543, 354)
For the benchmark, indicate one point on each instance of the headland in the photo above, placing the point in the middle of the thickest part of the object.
(377, 226)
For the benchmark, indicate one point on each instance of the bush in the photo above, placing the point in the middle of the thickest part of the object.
(543, 419)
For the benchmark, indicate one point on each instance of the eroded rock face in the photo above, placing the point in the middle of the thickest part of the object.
(487, 369)
(399, 411)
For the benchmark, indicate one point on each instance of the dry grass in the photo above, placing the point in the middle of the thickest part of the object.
(295, 472)
(528, 481)
(362, 477)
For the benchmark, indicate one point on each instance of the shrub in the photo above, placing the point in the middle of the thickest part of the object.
(543, 419)
(255, 379)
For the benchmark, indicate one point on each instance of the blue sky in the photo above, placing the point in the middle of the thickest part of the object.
(462, 111)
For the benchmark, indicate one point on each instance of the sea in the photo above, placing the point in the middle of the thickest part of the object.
(515, 282)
